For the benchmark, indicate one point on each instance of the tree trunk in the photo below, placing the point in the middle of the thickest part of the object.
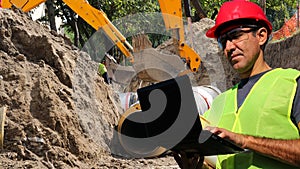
(263, 5)
(298, 14)
(51, 14)
(76, 31)
(200, 11)
(72, 21)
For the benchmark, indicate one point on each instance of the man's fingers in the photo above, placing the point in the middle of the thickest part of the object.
(222, 135)
(215, 130)
(209, 128)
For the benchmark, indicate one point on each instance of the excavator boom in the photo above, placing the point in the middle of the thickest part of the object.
(25, 5)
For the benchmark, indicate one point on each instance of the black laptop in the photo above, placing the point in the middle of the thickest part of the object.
(170, 118)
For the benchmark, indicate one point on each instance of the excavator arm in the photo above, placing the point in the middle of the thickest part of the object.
(172, 15)
(98, 19)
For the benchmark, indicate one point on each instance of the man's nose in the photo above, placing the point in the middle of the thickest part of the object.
(229, 48)
(230, 45)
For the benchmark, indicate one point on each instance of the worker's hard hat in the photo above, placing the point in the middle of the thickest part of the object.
(235, 11)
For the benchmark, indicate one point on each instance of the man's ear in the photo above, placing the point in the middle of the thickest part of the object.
(262, 34)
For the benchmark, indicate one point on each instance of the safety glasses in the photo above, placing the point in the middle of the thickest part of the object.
(235, 36)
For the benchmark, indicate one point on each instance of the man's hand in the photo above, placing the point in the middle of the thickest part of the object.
(287, 151)
(188, 160)
(238, 139)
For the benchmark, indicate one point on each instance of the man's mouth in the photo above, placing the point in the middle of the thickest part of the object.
(232, 56)
(232, 59)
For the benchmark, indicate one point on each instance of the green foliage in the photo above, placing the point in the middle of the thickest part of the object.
(209, 6)
(277, 11)
(69, 33)
(115, 9)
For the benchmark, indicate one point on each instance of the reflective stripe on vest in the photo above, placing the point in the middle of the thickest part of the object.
(265, 112)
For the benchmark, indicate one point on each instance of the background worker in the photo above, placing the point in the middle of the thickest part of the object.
(102, 71)
(262, 112)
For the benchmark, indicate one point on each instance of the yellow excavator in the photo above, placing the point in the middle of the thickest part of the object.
(172, 15)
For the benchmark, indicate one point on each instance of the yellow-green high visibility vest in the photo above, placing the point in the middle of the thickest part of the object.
(265, 112)
(102, 69)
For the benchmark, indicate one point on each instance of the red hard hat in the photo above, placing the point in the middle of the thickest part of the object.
(236, 10)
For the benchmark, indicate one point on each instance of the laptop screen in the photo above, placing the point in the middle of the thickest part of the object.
(170, 111)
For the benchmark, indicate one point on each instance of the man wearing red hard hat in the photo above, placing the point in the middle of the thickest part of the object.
(262, 112)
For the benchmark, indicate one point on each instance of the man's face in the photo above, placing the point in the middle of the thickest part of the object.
(241, 47)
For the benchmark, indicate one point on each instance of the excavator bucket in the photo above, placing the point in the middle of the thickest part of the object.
(152, 65)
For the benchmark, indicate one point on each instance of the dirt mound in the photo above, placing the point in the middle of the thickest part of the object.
(60, 114)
